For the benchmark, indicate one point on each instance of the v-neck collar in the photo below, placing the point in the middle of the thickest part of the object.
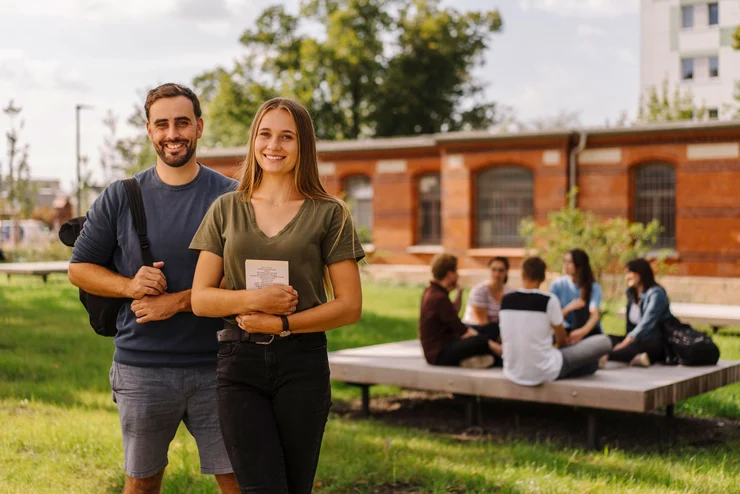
(253, 221)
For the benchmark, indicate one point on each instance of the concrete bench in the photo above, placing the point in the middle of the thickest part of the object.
(713, 315)
(43, 269)
(617, 387)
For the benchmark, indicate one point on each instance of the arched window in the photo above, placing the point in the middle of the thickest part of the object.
(359, 191)
(655, 198)
(505, 196)
(429, 212)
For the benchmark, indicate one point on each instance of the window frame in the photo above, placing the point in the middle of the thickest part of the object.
(683, 69)
(709, 13)
(422, 198)
(510, 197)
(709, 66)
(347, 182)
(657, 197)
(687, 22)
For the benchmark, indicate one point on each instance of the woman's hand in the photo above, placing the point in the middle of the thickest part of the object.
(622, 344)
(259, 322)
(574, 305)
(277, 299)
(577, 335)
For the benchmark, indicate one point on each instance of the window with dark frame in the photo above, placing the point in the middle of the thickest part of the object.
(687, 16)
(359, 190)
(713, 14)
(505, 196)
(713, 66)
(713, 113)
(687, 68)
(655, 198)
(429, 212)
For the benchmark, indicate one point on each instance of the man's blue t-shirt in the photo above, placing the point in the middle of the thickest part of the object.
(173, 215)
(567, 291)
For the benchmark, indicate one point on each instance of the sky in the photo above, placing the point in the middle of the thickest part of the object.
(552, 56)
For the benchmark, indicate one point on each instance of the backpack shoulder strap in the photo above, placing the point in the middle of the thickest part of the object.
(136, 204)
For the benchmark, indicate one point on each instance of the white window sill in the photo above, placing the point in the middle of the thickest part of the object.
(670, 254)
(497, 251)
(425, 249)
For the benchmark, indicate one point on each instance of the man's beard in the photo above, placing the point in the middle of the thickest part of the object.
(179, 160)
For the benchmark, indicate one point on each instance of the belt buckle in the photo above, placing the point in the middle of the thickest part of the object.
(272, 338)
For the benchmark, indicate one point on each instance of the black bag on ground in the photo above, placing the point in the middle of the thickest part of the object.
(686, 346)
(103, 311)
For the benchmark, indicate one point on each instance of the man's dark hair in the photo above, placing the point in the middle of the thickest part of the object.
(171, 90)
(443, 264)
(533, 268)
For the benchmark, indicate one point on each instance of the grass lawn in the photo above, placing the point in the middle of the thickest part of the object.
(59, 429)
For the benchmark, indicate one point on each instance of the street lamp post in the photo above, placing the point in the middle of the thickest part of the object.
(79, 176)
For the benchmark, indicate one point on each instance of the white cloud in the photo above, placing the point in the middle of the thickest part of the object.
(32, 74)
(587, 30)
(626, 57)
(583, 8)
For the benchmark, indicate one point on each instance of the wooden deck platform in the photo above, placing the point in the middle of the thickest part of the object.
(43, 269)
(617, 387)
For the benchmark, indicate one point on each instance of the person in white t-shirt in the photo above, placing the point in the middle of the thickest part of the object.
(528, 318)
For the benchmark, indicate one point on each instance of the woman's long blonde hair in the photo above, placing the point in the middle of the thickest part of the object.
(305, 173)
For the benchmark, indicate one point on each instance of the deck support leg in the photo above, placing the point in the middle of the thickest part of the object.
(715, 329)
(365, 390)
(473, 415)
(670, 410)
(44, 277)
(591, 440)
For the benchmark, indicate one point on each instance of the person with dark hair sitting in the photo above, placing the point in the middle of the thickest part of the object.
(445, 339)
(528, 319)
(484, 299)
(647, 308)
(579, 295)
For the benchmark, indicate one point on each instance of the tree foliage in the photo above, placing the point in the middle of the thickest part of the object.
(609, 243)
(666, 106)
(365, 68)
(16, 189)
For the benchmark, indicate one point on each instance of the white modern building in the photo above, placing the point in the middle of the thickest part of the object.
(689, 43)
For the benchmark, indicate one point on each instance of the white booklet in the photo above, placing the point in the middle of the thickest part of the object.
(265, 273)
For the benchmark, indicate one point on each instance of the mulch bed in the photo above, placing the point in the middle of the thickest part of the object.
(443, 413)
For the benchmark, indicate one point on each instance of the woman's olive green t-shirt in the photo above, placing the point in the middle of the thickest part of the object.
(308, 242)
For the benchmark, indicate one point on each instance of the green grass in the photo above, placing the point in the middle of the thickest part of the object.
(59, 429)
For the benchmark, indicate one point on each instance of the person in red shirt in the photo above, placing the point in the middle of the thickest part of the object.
(445, 339)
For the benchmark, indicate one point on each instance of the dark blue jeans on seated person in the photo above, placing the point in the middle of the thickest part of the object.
(491, 330)
(273, 403)
(458, 350)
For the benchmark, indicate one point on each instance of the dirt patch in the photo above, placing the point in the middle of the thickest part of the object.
(502, 419)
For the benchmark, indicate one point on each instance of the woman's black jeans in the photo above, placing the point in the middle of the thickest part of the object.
(652, 346)
(273, 403)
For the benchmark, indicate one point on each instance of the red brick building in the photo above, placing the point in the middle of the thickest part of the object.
(466, 192)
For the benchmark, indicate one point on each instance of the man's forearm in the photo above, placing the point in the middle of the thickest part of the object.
(99, 280)
(182, 301)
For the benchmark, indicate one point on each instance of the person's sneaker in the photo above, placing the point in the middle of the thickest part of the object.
(640, 360)
(477, 362)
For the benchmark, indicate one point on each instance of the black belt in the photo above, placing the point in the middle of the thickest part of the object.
(232, 332)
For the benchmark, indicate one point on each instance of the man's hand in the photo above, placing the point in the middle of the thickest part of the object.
(154, 308)
(576, 335)
(622, 344)
(277, 300)
(469, 333)
(259, 322)
(148, 281)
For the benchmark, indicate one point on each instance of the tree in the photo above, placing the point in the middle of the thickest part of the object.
(609, 243)
(111, 156)
(16, 186)
(351, 77)
(664, 107)
(133, 153)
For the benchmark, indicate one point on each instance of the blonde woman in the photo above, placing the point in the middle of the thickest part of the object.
(273, 374)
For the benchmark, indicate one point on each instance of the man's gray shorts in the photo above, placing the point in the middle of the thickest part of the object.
(152, 401)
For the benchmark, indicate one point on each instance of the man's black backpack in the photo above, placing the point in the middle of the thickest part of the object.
(686, 346)
(103, 311)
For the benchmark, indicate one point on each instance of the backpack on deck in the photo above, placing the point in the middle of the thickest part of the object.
(103, 311)
(684, 345)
